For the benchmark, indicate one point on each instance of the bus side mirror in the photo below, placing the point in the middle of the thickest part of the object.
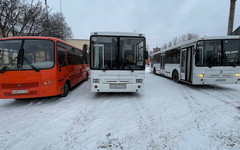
(85, 47)
(146, 55)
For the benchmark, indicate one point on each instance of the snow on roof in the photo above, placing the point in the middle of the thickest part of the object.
(118, 33)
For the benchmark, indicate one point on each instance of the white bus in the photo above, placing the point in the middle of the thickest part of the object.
(209, 60)
(117, 61)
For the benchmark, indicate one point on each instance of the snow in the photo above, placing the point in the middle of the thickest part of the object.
(165, 115)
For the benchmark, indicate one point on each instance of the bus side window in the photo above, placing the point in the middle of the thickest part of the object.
(62, 57)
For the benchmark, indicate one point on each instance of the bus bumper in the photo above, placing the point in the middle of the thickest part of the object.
(24, 93)
(116, 87)
(207, 81)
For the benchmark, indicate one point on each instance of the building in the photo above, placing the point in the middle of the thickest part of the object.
(78, 42)
(156, 49)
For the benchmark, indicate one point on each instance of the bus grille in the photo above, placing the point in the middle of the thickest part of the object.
(19, 85)
(220, 76)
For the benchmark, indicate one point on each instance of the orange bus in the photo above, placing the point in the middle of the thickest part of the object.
(33, 67)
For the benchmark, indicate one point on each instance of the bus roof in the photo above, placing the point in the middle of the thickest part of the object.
(188, 43)
(118, 34)
(28, 37)
(38, 37)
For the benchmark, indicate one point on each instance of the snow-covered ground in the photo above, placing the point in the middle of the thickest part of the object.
(165, 116)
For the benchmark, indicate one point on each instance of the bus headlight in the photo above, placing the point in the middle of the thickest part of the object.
(138, 80)
(201, 75)
(48, 82)
(95, 80)
(237, 74)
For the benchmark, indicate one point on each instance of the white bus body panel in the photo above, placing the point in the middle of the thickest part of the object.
(156, 66)
(216, 75)
(169, 68)
(110, 79)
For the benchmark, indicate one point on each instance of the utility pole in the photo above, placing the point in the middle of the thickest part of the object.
(61, 17)
(46, 27)
(231, 17)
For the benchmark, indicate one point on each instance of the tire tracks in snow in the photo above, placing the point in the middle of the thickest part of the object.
(149, 124)
(203, 116)
(197, 110)
(222, 95)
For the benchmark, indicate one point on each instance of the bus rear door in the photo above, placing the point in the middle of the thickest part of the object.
(162, 64)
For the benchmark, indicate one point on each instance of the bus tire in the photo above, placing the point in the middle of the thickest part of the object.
(87, 77)
(175, 76)
(65, 89)
(154, 71)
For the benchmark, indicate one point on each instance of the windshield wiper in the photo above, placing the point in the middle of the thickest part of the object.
(5, 66)
(126, 63)
(97, 67)
(21, 59)
(105, 68)
(129, 67)
(33, 67)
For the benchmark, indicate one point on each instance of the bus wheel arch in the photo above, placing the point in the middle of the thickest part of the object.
(66, 88)
(175, 76)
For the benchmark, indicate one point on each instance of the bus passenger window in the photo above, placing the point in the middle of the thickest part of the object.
(62, 58)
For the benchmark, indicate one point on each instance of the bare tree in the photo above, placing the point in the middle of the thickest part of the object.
(191, 36)
(175, 41)
(183, 38)
(164, 46)
(30, 23)
(31, 18)
(170, 44)
(180, 39)
(57, 27)
(9, 13)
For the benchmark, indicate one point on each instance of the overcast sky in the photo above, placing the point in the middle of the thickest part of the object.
(159, 20)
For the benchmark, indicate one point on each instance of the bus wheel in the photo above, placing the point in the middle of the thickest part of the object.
(175, 76)
(65, 89)
(87, 77)
(154, 71)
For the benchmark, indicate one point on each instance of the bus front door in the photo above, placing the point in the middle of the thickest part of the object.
(63, 71)
(186, 64)
(98, 56)
(189, 64)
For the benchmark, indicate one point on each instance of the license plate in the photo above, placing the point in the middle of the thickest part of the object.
(19, 91)
(117, 86)
(220, 80)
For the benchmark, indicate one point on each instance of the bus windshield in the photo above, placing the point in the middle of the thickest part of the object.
(231, 52)
(26, 54)
(208, 53)
(117, 53)
(218, 53)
